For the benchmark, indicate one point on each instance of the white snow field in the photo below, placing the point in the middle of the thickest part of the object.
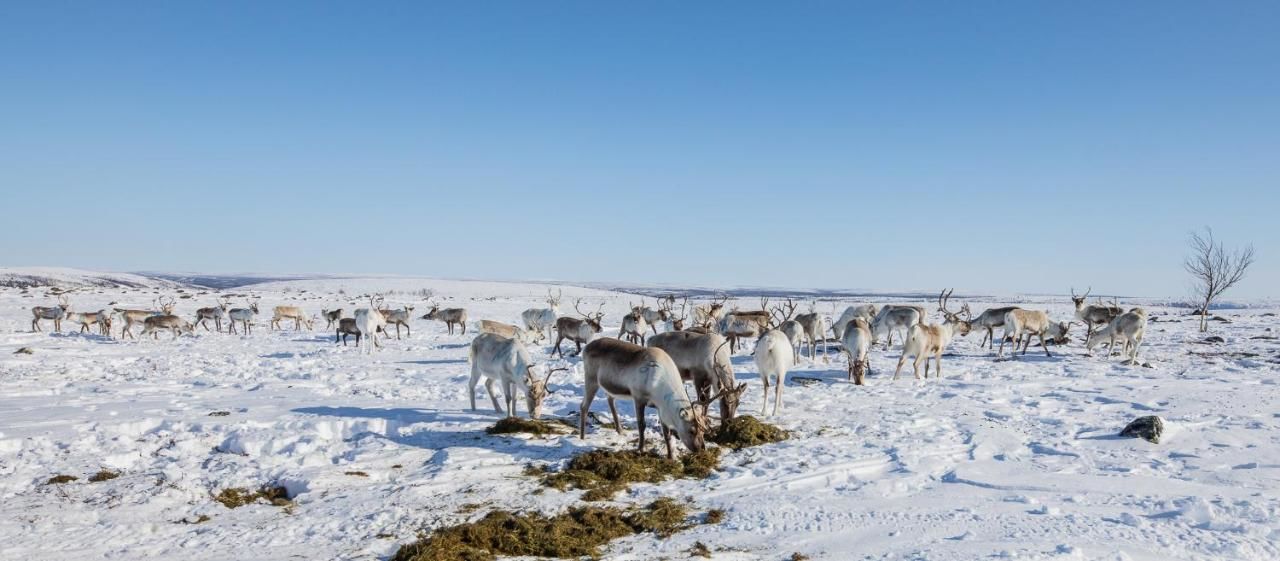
(1010, 459)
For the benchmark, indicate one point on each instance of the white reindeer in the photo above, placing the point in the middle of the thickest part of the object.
(1128, 328)
(924, 340)
(542, 320)
(865, 311)
(857, 341)
(892, 317)
(504, 330)
(100, 318)
(216, 313)
(647, 376)
(369, 321)
(174, 324)
(773, 357)
(580, 331)
(299, 317)
(633, 326)
(506, 362)
(704, 360)
(244, 316)
(1093, 315)
(401, 317)
(1031, 322)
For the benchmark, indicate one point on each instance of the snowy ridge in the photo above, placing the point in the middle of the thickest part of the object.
(61, 277)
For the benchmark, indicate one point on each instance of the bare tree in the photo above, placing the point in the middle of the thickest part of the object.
(1213, 270)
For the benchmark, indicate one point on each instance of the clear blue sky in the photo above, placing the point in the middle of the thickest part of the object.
(992, 146)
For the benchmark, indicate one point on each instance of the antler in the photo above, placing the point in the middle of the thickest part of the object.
(579, 310)
(781, 316)
(942, 302)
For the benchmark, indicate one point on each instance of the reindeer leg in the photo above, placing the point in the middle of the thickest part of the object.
(461, 323)
(640, 407)
(588, 395)
(493, 395)
(613, 410)
(471, 384)
(1042, 344)
(901, 360)
(777, 393)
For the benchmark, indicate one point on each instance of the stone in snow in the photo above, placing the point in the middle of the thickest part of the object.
(1148, 428)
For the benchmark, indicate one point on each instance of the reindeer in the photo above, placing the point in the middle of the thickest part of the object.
(577, 330)
(542, 320)
(932, 339)
(781, 315)
(401, 317)
(505, 330)
(331, 317)
(281, 313)
(100, 318)
(55, 313)
(678, 320)
(244, 316)
(811, 323)
(633, 326)
(865, 311)
(449, 316)
(738, 324)
(1093, 315)
(506, 361)
(369, 321)
(132, 317)
(710, 315)
(893, 317)
(174, 324)
(857, 341)
(347, 326)
(1030, 322)
(988, 320)
(654, 317)
(216, 313)
(773, 356)
(647, 376)
(1129, 328)
(703, 360)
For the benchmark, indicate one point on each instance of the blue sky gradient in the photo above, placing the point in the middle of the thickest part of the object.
(991, 146)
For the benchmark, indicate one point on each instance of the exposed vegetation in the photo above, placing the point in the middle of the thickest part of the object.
(578, 532)
(603, 473)
(236, 497)
(60, 479)
(103, 475)
(511, 425)
(744, 431)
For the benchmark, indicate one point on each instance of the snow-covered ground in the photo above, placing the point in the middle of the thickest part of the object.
(1012, 459)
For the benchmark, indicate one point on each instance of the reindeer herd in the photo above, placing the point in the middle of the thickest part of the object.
(649, 367)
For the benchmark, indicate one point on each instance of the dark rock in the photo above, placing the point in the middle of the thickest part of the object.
(1214, 339)
(1148, 428)
(1220, 318)
(24, 351)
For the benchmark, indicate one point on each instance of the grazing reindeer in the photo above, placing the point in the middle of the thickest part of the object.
(1128, 328)
(654, 317)
(504, 330)
(893, 317)
(1030, 322)
(857, 341)
(401, 317)
(709, 316)
(633, 326)
(100, 318)
(331, 317)
(988, 320)
(132, 317)
(577, 330)
(347, 326)
(1093, 315)
(506, 361)
(773, 356)
(542, 320)
(703, 360)
(216, 313)
(932, 339)
(449, 316)
(55, 313)
(864, 311)
(174, 324)
(281, 313)
(647, 376)
(244, 316)
(370, 321)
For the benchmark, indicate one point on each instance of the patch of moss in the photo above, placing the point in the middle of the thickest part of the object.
(103, 475)
(577, 532)
(514, 425)
(714, 516)
(743, 431)
(700, 549)
(60, 479)
(356, 473)
(236, 497)
(797, 556)
(603, 473)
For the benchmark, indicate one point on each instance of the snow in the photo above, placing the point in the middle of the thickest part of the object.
(1009, 459)
(77, 278)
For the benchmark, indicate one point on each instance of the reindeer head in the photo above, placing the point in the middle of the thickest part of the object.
(961, 325)
(537, 390)
(592, 319)
(1079, 300)
(553, 300)
(1058, 332)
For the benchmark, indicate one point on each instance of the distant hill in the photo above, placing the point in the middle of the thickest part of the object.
(61, 277)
